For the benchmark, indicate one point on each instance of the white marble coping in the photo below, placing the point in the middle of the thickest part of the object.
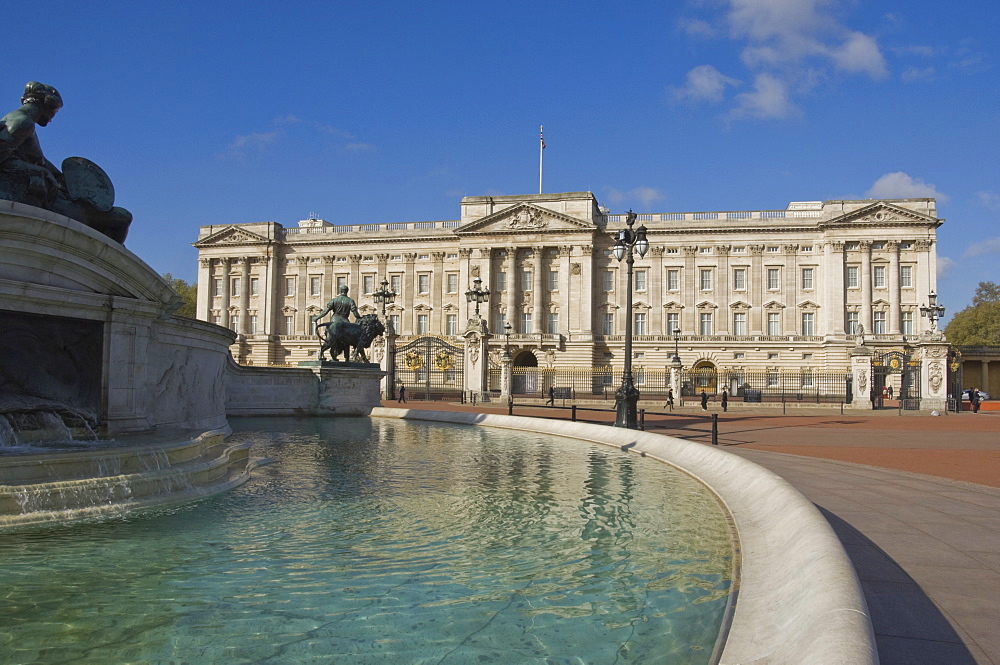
(798, 597)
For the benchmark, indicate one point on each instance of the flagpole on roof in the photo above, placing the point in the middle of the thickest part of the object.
(541, 148)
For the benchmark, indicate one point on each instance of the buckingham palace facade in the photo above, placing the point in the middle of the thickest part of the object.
(770, 290)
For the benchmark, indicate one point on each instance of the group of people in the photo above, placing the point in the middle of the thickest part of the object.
(723, 399)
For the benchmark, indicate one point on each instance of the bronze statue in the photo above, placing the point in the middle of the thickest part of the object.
(81, 191)
(342, 335)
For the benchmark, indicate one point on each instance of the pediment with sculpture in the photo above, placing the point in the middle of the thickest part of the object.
(525, 218)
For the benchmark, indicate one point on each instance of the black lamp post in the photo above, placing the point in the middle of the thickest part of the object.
(477, 294)
(932, 310)
(506, 333)
(677, 355)
(384, 295)
(627, 244)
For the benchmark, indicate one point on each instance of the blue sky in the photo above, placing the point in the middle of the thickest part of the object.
(219, 112)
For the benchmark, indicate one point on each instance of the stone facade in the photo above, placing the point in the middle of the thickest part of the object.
(781, 290)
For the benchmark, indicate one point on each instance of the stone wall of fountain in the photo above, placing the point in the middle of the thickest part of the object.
(90, 335)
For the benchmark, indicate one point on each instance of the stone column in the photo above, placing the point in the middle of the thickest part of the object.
(933, 372)
(303, 324)
(757, 287)
(984, 374)
(506, 378)
(861, 371)
(244, 263)
(383, 352)
(438, 286)
(833, 278)
(690, 287)
(657, 325)
(224, 300)
(465, 278)
(724, 289)
(790, 289)
(477, 362)
(565, 287)
(538, 299)
(892, 247)
(408, 320)
(865, 247)
(586, 277)
(675, 380)
(204, 289)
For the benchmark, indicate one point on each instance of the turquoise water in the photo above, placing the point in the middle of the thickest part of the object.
(383, 541)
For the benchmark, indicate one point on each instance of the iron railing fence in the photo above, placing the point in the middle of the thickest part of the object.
(743, 385)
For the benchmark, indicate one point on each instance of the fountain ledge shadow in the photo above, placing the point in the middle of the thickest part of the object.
(799, 599)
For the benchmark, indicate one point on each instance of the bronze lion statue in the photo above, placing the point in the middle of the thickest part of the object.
(357, 336)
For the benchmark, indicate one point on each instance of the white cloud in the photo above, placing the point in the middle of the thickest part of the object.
(704, 83)
(790, 47)
(911, 74)
(899, 185)
(697, 28)
(983, 247)
(254, 140)
(990, 200)
(768, 99)
(645, 196)
(945, 266)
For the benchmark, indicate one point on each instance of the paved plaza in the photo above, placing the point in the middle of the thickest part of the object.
(915, 500)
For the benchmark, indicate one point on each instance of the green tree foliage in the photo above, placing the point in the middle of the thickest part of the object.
(189, 292)
(979, 323)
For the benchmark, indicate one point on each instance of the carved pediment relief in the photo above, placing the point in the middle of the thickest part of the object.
(525, 218)
(704, 304)
(233, 235)
(673, 304)
(881, 213)
(773, 304)
(288, 309)
(808, 304)
(739, 305)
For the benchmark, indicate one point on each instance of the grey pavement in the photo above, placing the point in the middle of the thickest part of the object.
(926, 549)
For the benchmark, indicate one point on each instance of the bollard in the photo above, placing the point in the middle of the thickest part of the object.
(715, 429)
(573, 413)
(642, 419)
(510, 407)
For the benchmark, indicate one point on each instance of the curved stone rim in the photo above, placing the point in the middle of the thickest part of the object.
(799, 597)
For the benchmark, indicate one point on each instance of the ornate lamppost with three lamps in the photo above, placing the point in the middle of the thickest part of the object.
(628, 243)
(477, 294)
(385, 296)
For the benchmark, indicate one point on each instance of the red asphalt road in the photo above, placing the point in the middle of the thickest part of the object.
(964, 447)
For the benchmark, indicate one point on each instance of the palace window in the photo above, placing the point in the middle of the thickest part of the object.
(289, 286)
(394, 322)
(774, 323)
(706, 279)
(253, 324)
(501, 321)
(216, 287)
(234, 322)
(453, 282)
(673, 322)
(853, 321)
(772, 356)
(422, 324)
(739, 323)
(878, 277)
(639, 323)
(808, 318)
(314, 283)
(451, 324)
(878, 322)
(525, 322)
(773, 279)
(640, 280)
(423, 283)
(705, 323)
(673, 280)
(608, 279)
(553, 323)
(906, 326)
(396, 283)
(553, 280)
(740, 279)
(739, 355)
(236, 286)
(501, 281)
(289, 325)
(906, 276)
(807, 278)
(608, 324)
(852, 277)
(368, 284)
(527, 280)
(254, 286)
(341, 281)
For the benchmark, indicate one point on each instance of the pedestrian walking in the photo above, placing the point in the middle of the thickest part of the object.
(704, 401)
(402, 395)
(552, 396)
(725, 400)
(670, 399)
(974, 399)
